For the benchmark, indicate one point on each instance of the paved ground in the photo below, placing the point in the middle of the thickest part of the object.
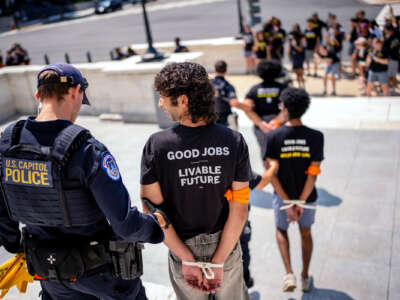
(189, 19)
(357, 236)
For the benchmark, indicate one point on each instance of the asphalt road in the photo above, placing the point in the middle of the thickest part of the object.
(201, 20)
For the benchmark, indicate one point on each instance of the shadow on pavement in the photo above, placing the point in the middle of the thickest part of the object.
(263, 199)
(327, 199)
(326, 294)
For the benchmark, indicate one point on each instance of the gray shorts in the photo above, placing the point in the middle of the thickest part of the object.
(306, 220)
(332, 69)
(381, 77)
(309, 55)
(393, 68)
(203, 247)
(248, 53)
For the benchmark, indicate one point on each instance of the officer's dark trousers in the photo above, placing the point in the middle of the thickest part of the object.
(95, 286)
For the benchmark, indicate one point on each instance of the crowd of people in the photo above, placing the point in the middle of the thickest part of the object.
(374, 52)
(16, 55)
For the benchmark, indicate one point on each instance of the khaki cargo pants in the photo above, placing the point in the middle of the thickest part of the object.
(203, 247)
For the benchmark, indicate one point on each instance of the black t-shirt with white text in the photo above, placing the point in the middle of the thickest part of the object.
(295, 147)
(265, 96)
(195, 166)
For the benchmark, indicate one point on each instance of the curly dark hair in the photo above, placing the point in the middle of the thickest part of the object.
(269, 70)
(296, 101)
(189, 79)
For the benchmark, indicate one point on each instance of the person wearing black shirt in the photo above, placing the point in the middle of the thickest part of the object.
(1, 60)
(377, 61)
(297, 55)
(261, 47)
(277, 40)
(318, 25)
(312, 44)
(248, 44)
(331, 60)
(197, 172)
(391, 45)
(262, 100)
(178, 47)
(352, 37)
(294, 153)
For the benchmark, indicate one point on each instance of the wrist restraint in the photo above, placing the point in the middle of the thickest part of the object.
(313, 170)
(205, 267)
(241, 196)
(291, 203)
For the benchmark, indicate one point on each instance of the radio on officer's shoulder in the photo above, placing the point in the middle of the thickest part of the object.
(127, 259)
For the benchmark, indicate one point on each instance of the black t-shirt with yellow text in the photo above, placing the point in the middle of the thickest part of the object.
(376, 66)
(295, 147)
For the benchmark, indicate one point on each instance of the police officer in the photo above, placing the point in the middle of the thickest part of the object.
(66, 187)
(197, 172)
(262, 101)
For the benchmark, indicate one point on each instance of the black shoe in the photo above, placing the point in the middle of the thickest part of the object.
(249, 282)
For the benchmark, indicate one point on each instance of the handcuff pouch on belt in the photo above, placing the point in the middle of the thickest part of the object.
(126, 259)
(65, 262)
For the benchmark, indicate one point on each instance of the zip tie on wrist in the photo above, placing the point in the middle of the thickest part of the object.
(205, 268)
(291, 203)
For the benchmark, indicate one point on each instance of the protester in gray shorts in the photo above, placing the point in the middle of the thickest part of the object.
(294, 153)
(197, 173)
(312, 45)
(331, 60)
(378, 61)
(392, 45)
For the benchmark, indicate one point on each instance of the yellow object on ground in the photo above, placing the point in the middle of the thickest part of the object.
(14, 272)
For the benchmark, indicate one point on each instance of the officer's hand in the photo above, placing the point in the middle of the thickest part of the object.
(193, 277)
(213, 285)
(291, 214)
(234, 102)
(264, 127)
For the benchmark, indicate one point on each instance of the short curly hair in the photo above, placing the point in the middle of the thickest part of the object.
(296, 101)
(269, 70)
(192, 80)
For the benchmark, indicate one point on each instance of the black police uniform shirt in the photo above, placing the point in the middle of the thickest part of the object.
(311, 38)
(295, 147)
(96, 169)
(224, 93)
(265, 96)
(392, 47)
(376, 66)
(195, 166)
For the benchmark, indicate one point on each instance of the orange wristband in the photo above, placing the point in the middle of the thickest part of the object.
(241, 196)
(313, 170)
(277, 124)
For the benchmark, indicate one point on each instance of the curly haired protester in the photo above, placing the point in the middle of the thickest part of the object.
(197, 173)
(294, 153)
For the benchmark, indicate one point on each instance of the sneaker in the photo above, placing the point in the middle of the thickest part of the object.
(333, 93)
(289, 283)
(324, 93)
(306, 284)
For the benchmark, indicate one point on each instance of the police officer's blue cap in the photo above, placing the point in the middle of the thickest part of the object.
(68, 74)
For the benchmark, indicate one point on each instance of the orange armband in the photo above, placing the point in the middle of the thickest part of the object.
(276, 122)
(241, 196)
(313, 170)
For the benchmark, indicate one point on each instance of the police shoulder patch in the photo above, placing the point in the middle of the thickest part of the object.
(109, 165)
